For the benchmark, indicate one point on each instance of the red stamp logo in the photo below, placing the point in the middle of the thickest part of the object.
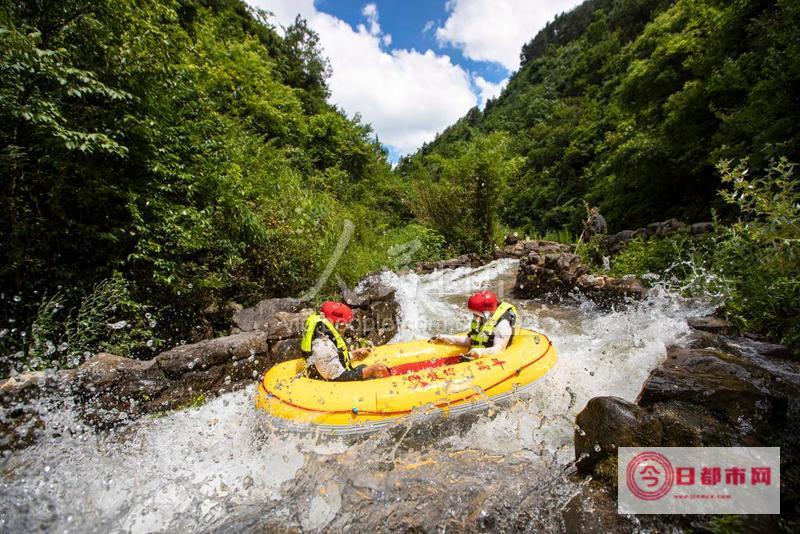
(649, 476)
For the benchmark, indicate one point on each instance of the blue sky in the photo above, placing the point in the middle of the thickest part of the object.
(411, 68)
(412, 24)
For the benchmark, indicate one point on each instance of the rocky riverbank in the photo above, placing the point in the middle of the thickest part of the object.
(615, 242)
(719, 389)
(553, 274)
(110, 389)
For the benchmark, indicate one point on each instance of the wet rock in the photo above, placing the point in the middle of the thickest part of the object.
(522, 249)
(720, 390)
(28, 386)
(374, 291)
(255, 317)
(284, 325)
(22, 406)
(19, 428)
(689, 425)
(194, 386)
(375, 312)
(593, 510)
(712, 324)
(377, 324)
(465, 260)
(556, 275)
(286, 349)
(110, 389)
(727, 389)
(610, 291)
(607, 423)
(762, 348)
(212, 352)
(548, 275)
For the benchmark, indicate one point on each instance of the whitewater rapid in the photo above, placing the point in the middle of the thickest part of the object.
(221, 466)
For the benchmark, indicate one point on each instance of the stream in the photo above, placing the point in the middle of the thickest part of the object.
(223, 467)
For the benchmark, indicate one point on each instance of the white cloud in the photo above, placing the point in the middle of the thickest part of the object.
(285, 11)
(488, 90)
(495, 30)
(371, 12)
(407, 96)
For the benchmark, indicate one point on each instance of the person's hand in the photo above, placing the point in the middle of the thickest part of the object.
(436, 339)
(360, 354)
(472, 354)
(377, 370)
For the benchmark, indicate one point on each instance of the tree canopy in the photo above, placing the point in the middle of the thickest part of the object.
(631, 104)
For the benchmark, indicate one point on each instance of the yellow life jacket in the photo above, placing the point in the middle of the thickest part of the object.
(482, 335)
(317, 325)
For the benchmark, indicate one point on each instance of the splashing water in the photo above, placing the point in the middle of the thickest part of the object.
(222, 467)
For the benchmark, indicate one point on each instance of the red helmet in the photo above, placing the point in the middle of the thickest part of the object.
(336, 312)
(485, 301)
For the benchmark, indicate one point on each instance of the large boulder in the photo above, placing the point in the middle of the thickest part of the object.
(607, 423)
(548, 275)
(23, 401)
(714, 325)
(721, 392)
(371, 292)
(611, 291)
(731, 391)
(376, 324)
(211, 353)
(111, 389)
(375, 312)
(257, 316)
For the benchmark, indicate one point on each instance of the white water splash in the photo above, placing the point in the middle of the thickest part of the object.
(188, 469)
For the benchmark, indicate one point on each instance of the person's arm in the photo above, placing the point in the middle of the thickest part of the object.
(352, 374)
(462, 341)
(502, 335)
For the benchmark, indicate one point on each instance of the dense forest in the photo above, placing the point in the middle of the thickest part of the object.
(164, 159)
(630, 105)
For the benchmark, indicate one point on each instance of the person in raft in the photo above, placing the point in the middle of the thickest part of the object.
(325, 350)
(492, 327)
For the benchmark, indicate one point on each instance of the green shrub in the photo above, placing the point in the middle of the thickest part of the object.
(107, 319)
(752, 264)
(760, 253)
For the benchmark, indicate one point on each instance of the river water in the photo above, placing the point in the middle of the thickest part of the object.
(223, 467)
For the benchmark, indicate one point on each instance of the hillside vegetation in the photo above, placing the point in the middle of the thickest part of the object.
(165, 160)
(630, 105)
(649, 109)
(161, 158)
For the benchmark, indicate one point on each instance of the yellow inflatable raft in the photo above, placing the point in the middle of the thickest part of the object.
(425, 378)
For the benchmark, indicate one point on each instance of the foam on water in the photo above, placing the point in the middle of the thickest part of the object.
(200, 466)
